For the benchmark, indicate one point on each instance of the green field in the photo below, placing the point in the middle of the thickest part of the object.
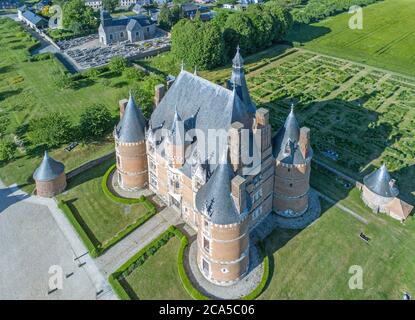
(387, 39)
(100, 217)
(158, 277)
(28, 90)
(314, 263)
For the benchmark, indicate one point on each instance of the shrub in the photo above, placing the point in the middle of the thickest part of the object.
(51, 130)
(95, 122)
(117, 64)
(7, 150)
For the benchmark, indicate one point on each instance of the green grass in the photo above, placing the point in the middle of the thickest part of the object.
(387, 39)
(28, 90)
(314, 263)
(158, 277)
(101, 218)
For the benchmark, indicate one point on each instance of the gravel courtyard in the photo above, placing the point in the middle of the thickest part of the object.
(30, 243)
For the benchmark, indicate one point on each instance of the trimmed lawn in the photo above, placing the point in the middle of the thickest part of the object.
(158, 277)
(28, 90)
(387, 39)
(314, 263)
(100, 217)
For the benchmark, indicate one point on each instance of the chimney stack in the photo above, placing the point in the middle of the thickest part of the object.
(122, 104)
(235, 147)
(160, 90)
(304, 141)
(238, 186)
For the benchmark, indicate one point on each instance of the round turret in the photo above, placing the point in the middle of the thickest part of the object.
(49, 177)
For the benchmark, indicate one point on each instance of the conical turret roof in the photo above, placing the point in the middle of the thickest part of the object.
(285, 144)
(49, 169)
(238, 82)
(131, 128)
(379, 182)
(214, 198)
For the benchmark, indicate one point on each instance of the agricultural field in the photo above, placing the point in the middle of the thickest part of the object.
(387, 39)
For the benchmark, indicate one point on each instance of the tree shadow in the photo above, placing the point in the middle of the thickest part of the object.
(6, 69)
(303, 33)
(9, 93)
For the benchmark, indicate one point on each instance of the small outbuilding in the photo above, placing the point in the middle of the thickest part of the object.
(379, 192)
(50, 177)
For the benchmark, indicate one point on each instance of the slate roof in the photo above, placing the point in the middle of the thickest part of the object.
(128, 22)
(32, 17)
(285, 143)
(131, 127)
(379, 183)
(49, 169)
(238, 81)
(214, 198)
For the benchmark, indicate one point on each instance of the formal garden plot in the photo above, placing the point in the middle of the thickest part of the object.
(100, 220)
(364, 115)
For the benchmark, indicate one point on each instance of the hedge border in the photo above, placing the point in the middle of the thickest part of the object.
(113, 197)
(187, 284)
(96, 251)
(113, 277)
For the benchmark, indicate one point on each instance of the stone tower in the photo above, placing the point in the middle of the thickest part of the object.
(293, 154)
(130, 148)
(223, 235)
(49, 177)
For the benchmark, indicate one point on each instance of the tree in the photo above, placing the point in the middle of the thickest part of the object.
(51, 130)
(77, 17)
(7, 150)
(239, 29)
(168, 16)
(95, 122)
(199, 44)
(144, 93)
(132, 73)
(117, 64)
(110, 5)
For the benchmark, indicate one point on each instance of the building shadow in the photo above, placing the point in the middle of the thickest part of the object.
(7, 198)
(344, 127)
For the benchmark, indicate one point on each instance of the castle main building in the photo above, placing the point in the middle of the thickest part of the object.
(218, 192)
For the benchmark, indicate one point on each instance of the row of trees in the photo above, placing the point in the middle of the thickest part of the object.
(316, 10)
(210, 44)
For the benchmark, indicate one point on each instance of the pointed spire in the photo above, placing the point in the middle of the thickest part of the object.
(238, 110)
(195, 72)
(176, 134)
(238, 61)
(131, 128)
(381, 183)
(49, 169)
(182, 66)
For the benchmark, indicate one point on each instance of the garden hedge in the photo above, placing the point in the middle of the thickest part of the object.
(113, 197)
(97, 250)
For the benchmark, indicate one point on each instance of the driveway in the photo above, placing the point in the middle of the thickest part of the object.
(35, 236)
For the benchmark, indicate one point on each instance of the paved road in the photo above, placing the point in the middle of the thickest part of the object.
(35, 235)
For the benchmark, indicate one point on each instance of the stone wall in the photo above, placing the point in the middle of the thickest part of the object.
(88, 165)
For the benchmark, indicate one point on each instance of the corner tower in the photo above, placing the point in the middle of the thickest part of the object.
(293, 154)
(130, 148)
(223, 234)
